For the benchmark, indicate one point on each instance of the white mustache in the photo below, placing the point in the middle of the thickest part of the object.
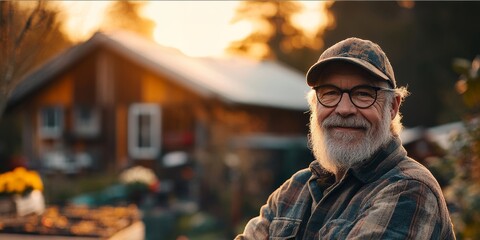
(351, 122)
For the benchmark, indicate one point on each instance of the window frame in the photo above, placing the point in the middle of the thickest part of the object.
(56, 130)
(154, 133)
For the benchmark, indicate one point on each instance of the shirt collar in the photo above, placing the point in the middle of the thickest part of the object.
(381, 162)
(321, 175)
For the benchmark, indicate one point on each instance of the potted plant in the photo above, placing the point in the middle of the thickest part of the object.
(21, 192)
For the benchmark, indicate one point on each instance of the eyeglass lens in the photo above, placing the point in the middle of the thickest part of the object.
(360, 96)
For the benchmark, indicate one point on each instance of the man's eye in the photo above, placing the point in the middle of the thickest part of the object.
(364, 94)
(330, 93)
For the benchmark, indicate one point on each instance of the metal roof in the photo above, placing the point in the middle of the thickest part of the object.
(233, 79)
(441, 134)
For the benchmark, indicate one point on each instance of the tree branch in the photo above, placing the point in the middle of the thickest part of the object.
(28, 24)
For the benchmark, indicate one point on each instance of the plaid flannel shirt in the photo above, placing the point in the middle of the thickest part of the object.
(389, 197)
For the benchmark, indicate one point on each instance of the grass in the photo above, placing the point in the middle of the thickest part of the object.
(59, 188)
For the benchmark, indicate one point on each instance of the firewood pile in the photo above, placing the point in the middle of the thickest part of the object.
(101, 222)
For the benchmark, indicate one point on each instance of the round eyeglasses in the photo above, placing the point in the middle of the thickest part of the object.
(362, 96)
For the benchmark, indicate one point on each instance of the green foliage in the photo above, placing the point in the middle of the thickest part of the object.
(60, 188)
(463, 193)
(469, 82)
(461, 166)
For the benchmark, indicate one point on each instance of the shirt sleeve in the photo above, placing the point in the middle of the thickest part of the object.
(407, 209)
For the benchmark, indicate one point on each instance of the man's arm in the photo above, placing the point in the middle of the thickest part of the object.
(283, 211)
(281, 200)
(404, 210)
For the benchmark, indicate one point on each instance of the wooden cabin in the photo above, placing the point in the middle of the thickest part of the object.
(118, 100)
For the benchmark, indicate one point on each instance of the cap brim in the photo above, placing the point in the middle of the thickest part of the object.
(314, 72)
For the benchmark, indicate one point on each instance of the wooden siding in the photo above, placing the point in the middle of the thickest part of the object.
(57, 93)
(127, 78)
(122, 136)
(154, 89)
(112, 82)
(84, 90)
(178, 117)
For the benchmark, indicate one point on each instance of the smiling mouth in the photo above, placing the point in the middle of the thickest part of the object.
(347, 128)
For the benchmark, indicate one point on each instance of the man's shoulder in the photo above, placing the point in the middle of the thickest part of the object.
(411, 170)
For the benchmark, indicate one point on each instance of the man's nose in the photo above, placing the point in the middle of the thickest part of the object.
(345, 107)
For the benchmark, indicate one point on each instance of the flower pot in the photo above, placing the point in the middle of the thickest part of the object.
(33, 202)
(7, 205)
(22, 205)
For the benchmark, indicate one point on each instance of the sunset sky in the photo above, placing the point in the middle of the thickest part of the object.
(197, 28)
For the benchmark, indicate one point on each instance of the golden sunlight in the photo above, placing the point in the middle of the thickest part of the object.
(197, 28)
(81, 19)
(314, 16)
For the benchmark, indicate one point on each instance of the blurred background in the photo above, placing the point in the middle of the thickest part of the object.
(185, 116)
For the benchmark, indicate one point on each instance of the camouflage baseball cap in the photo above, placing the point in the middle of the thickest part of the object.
(362, 53)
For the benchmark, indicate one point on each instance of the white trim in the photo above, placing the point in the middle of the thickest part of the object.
(54, 131)
(153, 112)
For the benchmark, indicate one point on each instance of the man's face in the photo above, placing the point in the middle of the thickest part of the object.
(345, 134)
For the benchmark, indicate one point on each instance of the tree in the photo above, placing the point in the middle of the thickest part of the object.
(29, 34)
(461, 166)
(124, 15)
(276, 37)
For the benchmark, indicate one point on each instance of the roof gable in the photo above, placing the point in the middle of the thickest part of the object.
(235, 80)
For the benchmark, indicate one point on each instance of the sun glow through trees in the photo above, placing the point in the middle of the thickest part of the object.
(200, 28)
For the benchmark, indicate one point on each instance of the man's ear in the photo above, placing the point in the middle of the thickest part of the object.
(395, 106)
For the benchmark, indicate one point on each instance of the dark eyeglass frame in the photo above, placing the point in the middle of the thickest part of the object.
(349, 91)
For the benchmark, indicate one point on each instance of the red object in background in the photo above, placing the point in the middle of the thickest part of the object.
(178, 139)
(154, 187)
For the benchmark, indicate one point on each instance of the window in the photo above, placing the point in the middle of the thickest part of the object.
(144, 130)
(51, 122)
(86, 121)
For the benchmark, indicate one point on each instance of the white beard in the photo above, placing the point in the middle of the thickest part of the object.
(340, 151)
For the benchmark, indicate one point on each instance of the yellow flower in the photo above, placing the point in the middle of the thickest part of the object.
(19, 181)
(19, 171)
(19, 186)
(2, 184)
(36, 181)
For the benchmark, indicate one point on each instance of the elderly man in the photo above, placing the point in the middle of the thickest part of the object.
(362, 184)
